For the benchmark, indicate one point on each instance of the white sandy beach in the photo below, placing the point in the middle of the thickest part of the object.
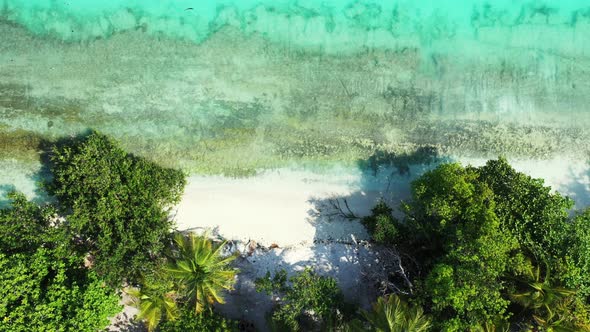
(287, 207)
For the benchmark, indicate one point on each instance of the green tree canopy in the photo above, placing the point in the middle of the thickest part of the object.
(207, 321)
(25, 225)
(475, 231)
(44, 292)
(44, 285)
(454, 215)
(202, 272)
(116, 203)
(391, 314)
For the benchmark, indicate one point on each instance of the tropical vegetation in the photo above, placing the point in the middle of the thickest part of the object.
(307, 302)
(193, 278)
(491, 246)
(117, 204)
(391, 314)
(44, 285)
(485, 249)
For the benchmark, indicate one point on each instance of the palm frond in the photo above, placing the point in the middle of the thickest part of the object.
(202, 269)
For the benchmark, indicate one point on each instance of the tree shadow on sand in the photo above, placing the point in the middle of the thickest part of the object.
(340, 247)
(385, 176)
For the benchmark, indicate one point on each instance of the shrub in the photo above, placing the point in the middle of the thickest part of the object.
(25, 225)
(42, 292)
(207, 321)
(43, 283)
(310, 299)
(381, 224)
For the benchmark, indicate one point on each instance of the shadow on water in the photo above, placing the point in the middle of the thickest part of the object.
(4, 190)
(579, 188)
(41, 174)
(384, 176)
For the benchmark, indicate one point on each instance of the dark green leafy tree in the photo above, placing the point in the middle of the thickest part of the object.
(384, 228)
(40, 291)
(115, 203)
(473, 231)
(534, 214)
(25, 225)
(576, 259)
(456, 227)
(44, 285)
(309, 300)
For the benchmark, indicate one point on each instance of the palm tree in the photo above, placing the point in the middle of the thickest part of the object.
(201, 270)
(153, 304)
(540, 294)
(549, 304)
(391, 314)
(499, 326)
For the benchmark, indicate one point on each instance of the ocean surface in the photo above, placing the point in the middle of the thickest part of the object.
(238, 87)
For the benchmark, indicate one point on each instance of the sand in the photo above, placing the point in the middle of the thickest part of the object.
(289, 207)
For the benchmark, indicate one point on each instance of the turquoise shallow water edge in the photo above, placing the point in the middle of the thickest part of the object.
(329, 25)
(224, 87)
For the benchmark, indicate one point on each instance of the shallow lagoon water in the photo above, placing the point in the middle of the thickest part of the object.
(237, 87)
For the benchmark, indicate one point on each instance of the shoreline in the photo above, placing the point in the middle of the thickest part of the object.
(294, 207)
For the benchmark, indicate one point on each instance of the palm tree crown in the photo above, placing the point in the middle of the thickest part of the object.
(201, 269)
(153, 304)
(393, 315)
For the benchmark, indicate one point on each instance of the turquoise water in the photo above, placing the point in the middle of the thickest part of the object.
(329, 26)
(234, 87)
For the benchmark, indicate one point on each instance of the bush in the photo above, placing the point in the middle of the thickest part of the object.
(43, 283)
(207, 321)
(117, 204)
(24, 226)
(42, 292)
(381, 224)
(310, 300)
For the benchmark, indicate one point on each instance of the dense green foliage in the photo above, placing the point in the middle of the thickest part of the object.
(490, 249)
(575, 268)
(382, 225)
(308, 300)
(44, 285)
(454, 220)
(59, 263)
(41, 292)
(476, 233)
(154, 304)
(391, 314)
(24, 226)
(207, 321)
(115, 203)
